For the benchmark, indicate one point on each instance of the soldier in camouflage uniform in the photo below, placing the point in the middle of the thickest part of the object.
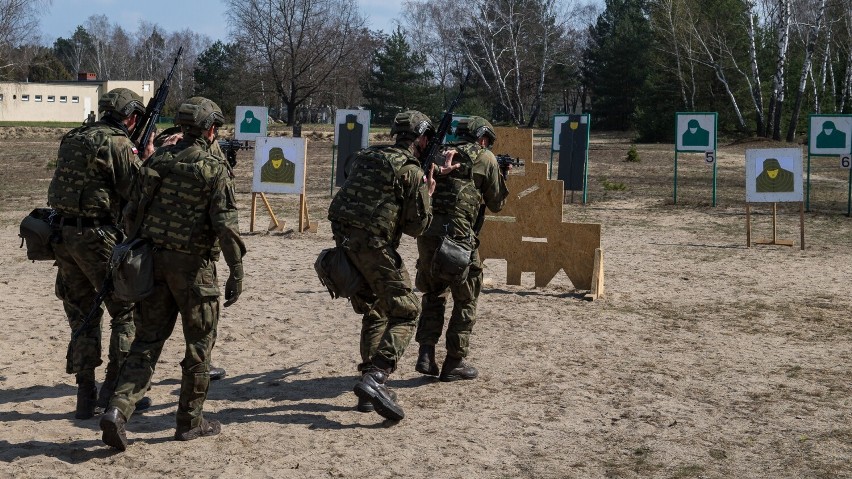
(192, 205)
(385, 195)
(455, 206)
(94, 171)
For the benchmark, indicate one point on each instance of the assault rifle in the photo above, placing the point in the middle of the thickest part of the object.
(436, 142)
(145, 126)
(505, 162)
(230, 149)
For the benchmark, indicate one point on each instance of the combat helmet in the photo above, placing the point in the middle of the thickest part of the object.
(412, 123)
(198, 114)
(474, 127)
(120, 103)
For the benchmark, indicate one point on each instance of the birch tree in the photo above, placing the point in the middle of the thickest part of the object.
(812, 19)
(782, 13)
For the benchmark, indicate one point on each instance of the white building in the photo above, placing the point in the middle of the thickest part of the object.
(69, 101)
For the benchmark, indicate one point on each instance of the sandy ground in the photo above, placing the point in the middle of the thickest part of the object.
(705, 358)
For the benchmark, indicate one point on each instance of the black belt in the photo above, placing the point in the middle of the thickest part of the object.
(84, 222)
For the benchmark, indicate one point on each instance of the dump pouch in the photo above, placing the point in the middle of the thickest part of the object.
(132, 264)
(37, 232)
(337, 273)
(452, 260)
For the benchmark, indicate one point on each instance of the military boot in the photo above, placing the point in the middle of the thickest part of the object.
(456, 368)
(112, 425)
(87, 394)
(364, 405)
(206, 428)
(217, 373)
(426, 360)
(372, 388)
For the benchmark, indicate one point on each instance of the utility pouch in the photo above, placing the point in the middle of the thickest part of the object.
(337, 273)
(37, 232)
(452, 260)
(132, 264)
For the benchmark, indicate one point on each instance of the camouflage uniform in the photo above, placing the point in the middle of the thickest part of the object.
(88, 191)
(455, 206)
(368, 217)
(192, 212)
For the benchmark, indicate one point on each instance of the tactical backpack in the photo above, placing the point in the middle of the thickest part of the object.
(79, 187)
(371, 199)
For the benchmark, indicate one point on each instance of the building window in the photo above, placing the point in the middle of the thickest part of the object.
(63, 99)
(75, 99)
(38, 98)
(25, 98)
(51, 98)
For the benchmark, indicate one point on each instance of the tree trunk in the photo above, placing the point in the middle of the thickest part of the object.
(756, 93)
(776, 102)
(783, 42)
(813, 33)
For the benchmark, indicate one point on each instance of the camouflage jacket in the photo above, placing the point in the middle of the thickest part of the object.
(191, 202)
(453, 218)
(95, 168)
(384, 195)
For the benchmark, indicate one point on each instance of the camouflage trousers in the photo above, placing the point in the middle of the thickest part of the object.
(389, 305)
(82, 257)
(183, 284)
(464, 294)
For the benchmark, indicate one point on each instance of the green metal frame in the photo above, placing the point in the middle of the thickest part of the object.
(808, 181)
(715, 151)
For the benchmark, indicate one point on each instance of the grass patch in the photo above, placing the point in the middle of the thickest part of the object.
(611, 185)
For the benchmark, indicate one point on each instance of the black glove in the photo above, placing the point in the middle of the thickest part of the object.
(234, 285)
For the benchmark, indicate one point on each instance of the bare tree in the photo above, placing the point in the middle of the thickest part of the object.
(18, 26)
(297, 43)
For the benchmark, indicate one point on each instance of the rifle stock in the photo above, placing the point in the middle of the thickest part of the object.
(434, 146)
(144, 128)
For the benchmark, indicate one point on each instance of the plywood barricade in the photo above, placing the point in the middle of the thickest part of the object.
(530, 235)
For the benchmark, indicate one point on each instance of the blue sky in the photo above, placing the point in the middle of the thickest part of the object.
(202, 16)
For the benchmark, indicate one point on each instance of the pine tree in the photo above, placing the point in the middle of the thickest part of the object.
(397, 80)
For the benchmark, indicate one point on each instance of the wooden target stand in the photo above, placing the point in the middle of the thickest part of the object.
(775, 240)
(278, 226)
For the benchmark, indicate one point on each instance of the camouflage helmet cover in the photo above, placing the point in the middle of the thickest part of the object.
(122, 102)
(199, 112)
(474, 128)
(413, 123)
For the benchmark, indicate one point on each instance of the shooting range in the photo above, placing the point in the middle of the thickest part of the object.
(774, 175)
(830, 136)
(529, 233)
(250, 122)
(279, 167)
(696, 133)
(351, 133)
(571, 141)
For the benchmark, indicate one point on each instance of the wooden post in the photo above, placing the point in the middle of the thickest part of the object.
(597, 290)
(774, 223)
(253, 211)
(748, 226)
(304, 218)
